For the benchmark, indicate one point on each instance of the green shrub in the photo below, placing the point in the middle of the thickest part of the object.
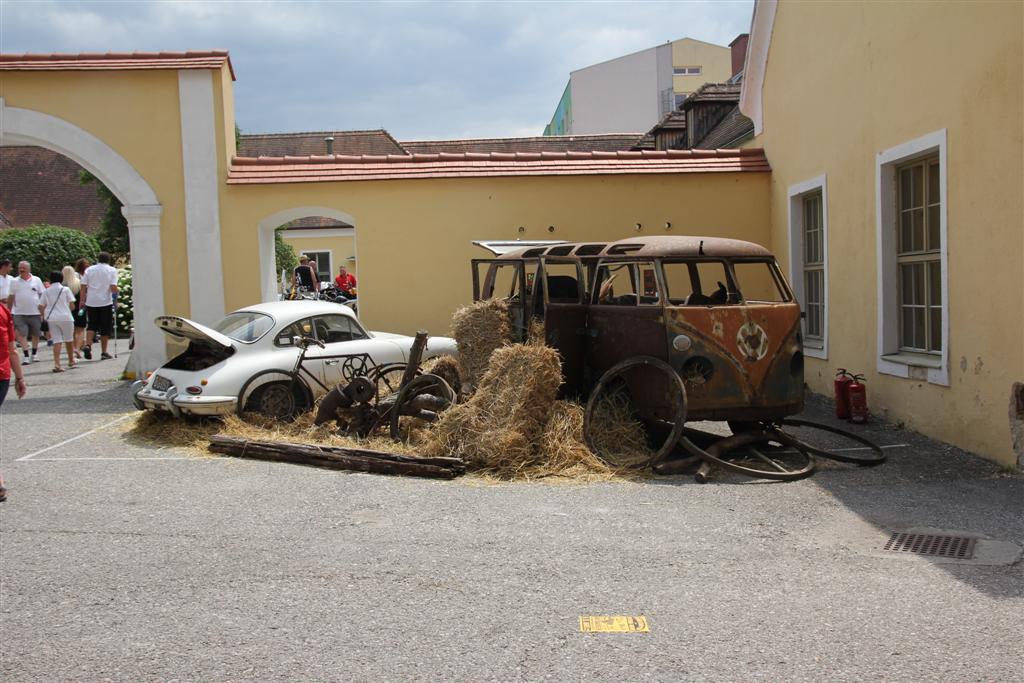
(46, 247)
(284, 254)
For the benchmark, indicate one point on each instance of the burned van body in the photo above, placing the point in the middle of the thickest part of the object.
(718, 311)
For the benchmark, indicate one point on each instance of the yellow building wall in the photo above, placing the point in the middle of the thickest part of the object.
(715, 62)
(138, 115)
(414, 236)
(846, 81)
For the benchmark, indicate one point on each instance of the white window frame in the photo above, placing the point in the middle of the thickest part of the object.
(891, 361)
(796, 194)
(330, 261)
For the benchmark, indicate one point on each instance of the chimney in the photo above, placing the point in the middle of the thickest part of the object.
(330, 139)
(739, 52)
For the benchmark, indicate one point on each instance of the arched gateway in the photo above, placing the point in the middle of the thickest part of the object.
(157, 129)
(142, 209)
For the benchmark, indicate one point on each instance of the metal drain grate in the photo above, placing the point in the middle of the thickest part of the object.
(932, 545)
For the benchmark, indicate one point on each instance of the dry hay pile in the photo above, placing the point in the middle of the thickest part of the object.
(617, 436)
(160, 429)
(512, 426)
(447, 368)
(479, 329)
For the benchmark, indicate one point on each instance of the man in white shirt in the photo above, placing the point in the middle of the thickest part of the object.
(5, 283)
(26, 291)
(99, 285)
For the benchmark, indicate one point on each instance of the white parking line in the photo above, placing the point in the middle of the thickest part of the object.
(83, 435)
(102, 458)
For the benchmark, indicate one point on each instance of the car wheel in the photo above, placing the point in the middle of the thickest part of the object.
(275, 400)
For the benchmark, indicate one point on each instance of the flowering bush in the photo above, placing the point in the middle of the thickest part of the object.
(124, 318)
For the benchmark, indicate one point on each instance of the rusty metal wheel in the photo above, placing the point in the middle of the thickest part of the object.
(675, 393)
(868, 454)
(423, 384)
(753, 454)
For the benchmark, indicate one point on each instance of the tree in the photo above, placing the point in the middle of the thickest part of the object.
(47, 247)
(112, 233)
(284, 255)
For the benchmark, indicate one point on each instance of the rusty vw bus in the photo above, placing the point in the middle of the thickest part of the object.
(695, 328)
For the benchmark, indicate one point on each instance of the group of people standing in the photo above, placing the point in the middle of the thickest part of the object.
(70, 303)
(304, 276)
(71, 307)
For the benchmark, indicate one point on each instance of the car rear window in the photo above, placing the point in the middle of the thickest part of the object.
(245, 326)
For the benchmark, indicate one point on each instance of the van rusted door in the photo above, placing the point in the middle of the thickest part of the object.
(626, 319)
(506, 278)
(564, 311)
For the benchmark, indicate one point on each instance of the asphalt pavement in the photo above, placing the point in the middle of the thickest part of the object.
(125, 561)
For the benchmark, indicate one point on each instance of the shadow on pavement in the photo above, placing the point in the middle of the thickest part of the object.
(923, 483)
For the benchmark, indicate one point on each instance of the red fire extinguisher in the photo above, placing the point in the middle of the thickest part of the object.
(842, 390)
(858, 395)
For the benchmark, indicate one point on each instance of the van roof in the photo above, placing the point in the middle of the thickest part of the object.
(662, 246)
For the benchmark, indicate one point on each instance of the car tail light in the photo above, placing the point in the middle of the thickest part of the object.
(195, 391)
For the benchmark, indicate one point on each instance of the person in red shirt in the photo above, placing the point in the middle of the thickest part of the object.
(346, 282)
(7, 351)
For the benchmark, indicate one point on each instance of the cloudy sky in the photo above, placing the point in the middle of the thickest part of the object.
(423, 70)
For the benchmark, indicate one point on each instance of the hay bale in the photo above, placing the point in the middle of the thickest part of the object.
(617, 436)
(499, 428)
(479, 329)
(562, 448)
(448, 369)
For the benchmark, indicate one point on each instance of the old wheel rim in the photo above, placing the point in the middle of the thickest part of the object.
(678, 397)
(277, 401)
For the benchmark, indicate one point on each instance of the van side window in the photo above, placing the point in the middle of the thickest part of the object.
(627, 284)
(562, 282)
(698, 283)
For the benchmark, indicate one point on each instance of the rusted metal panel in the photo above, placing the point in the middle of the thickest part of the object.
(739, 360)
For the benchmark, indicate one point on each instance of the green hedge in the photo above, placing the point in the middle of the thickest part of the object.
(46, 247)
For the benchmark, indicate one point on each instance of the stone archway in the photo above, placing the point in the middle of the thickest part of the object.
(268, 280)
(142, 209)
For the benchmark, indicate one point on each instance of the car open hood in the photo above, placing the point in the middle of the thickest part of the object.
(183, 328)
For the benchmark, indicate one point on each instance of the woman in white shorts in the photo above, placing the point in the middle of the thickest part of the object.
(55, 308)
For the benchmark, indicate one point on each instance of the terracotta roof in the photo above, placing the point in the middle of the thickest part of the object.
(729, 132)
(116, 61)
(40, 186)
(345, 168)
(542, 143)
(315, 223)
(349, 142)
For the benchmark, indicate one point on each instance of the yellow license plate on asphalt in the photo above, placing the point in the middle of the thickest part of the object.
(614, 624)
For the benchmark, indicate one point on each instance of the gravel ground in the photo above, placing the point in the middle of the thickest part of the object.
(122, 561)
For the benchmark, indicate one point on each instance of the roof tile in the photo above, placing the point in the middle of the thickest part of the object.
(40, 186)
(346, 168)
(118, 61)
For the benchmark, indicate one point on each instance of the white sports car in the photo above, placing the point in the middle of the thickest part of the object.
(249, 360)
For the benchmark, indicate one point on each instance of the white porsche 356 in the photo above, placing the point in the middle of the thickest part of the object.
(274, 358)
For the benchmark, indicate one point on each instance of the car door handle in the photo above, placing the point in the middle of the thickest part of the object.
(332, 362)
